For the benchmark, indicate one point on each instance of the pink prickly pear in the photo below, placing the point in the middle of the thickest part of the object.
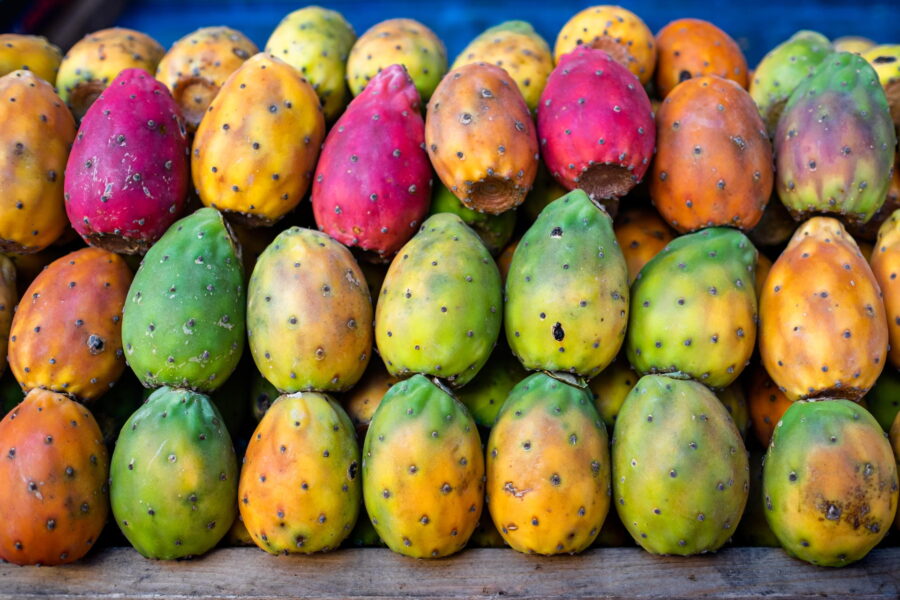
(127, 176)
(373, 181)
(596, 126)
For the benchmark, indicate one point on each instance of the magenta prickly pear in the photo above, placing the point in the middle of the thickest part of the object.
(127, 175)
(373, 182)
(596, 126)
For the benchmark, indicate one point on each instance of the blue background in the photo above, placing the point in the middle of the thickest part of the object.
(757, 26)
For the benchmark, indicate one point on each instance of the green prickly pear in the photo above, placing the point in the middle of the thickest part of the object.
(567, 290)
(494, 230)
(680, 468)
(484, 395)
(173, 477)
(883, 399)
(440, 306)
(184, 317)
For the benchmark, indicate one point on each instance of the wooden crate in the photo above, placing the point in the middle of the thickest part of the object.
(733, 573)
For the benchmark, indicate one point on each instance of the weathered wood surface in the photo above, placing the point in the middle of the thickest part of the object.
(374, 573)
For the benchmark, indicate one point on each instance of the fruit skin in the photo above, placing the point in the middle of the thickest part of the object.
(309, 314)
(481, 139)
(441, 304)
(300, 486)
(316, 41)
(611, 387)
(735, 402)
(423, 470)
(256, 148)
(680, 469)
(485, 395)
(373, 179)
(885, 263)
(398, 41)
(29, 52)
(36, 133)
(567, 290)
(782, 69)
(196, 65)
(548, 467)
(883, 400)
(852, 43)
(127, 176)
(846, 170)
(616, 30)
(775, 227)
(184, 316)
(829, 482)
(714, 164)
(597, 133)
(641, 234)
(495, 231)
(98, 58)
(763, 266)
(694, 308)
(689, 48)
(53, 474)
(823, 329)
(753, 529)
(765, 403)
(9, 297)
(362, 401)
(520, 50)
(66, 333)
(173, 476)
(885, 60)
(262, 394)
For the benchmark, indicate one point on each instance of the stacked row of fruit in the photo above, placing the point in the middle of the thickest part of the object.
(585, 298)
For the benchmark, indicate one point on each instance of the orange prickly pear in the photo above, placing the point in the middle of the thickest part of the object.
(362, 401)
(481, 138)
(763, 266)
(53, 476)
(823, 329)
(66, 334)
(689, 48)
(885, 263)
(30, 52)
(641, 234)
(765, 403)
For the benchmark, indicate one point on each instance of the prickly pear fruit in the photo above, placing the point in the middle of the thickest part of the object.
(823, 329)
(98, 58)
(494, 230)
(597, 132)
(753, 529)
(309, 314)
(300, 485)
(693, 48)
(519, 50)
(316, 41)
(484, 395)
(856, 44)
(173, 477)
(481, 139)
(641, 234)
(8, 299)
(398, 42)
(262, 394)
(616, 30)
(765, 403)
(611, 387)
(30, 53)
(714, 165)
(548, 467)
(486, 535)
(680, 468)
(829, 482)
(504, 260)
(65, 335)
(545, 190)
(53, 476)
(885, 266)
(441, 304)
(373, 179)
(36, 132)
(184, 316)
(567, 290)
(256, 148)
(362, 401)
(127, 176)
(883, 400)
(781, 71)
(823, 168)
(364, 534)
(775, 227)
(694, 308)
(195, 67)
(423, 470)
(886, 62)
(735, 402)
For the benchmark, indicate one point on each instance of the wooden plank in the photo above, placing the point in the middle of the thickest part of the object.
(375, 573)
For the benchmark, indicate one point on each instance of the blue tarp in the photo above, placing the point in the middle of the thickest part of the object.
(757, 26)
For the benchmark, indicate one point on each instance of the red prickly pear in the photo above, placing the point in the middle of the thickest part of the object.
(373, 182)
(596, 126)
(127, 175)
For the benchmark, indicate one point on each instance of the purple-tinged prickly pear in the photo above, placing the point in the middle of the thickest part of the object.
(127, 175)
(373, 180)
